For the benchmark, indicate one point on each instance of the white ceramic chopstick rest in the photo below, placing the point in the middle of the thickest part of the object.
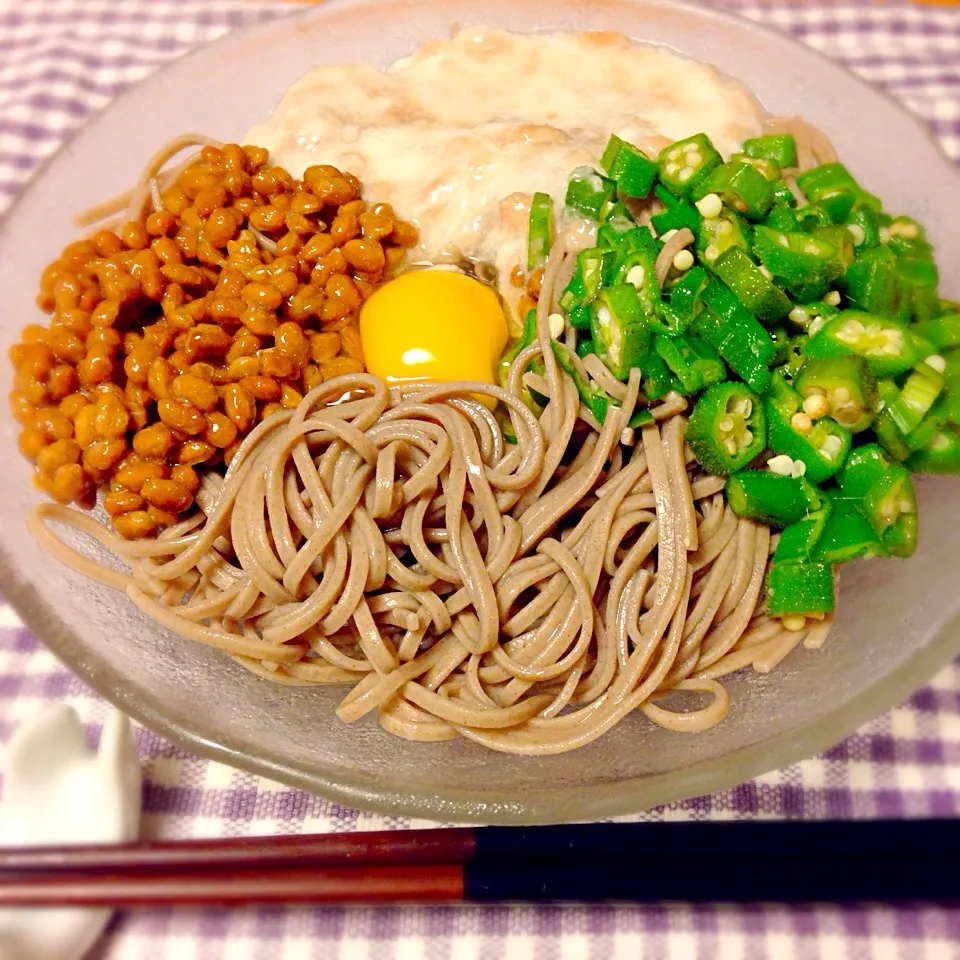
(56, 790)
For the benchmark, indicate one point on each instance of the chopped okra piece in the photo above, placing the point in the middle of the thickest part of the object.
(588, 192)
(594, 268)
(812, 216)
(770, 498)
(847, 535)
(658, 378)
(727, 429)
(757, 293)
(580, 317)
(685, 298)
(718, 234)
(620, 329)
(641, 418)
(943, 330)
(740, 186)
(907, 238)
(526, 338)
(780, 148)
(846, 386)
(692, 361)
(633, 171)
(863, 225)
(873, 285)
(891, 508)
(886, 498)
(677, 214)
(830, 179)
(781, 217)
(686, 163)
(839, 238)
(585, 346)
(637, 267)
(540, 230)
(598, 401)
(800, 588)
(918, 281)
(798, 260)
(736, 334)
(884, 343)
(940, 454)
(767, 168)
(613, 231)
(889, 435)
(916, 397)
(821, 444)
(799, 541)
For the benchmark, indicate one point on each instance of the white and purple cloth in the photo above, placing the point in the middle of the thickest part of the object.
(63, 60)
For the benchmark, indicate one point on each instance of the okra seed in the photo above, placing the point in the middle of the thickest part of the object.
(685, 174)
(668, 235)
(801, 423)
(884, 235)
(856, 231)
(794, 622)
(725, 228)
(636, 275)
(711, 253)
(832, 299)
(556, 325)
(937, 362)
(710, 206)
(726, 425)
(747, 438)
(851, 331)
(782, 240)
(815, 325)
(907, 230)
(730, 445)
(811, 248)
(672, 169)
(841, 395)
(799, 316)
(683, 260)
(816, 406)
(766, 273)
(906, 506)
(781, 465)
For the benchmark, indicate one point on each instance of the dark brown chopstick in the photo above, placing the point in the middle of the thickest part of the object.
(222, 888)
(733, 861)
(457, 845)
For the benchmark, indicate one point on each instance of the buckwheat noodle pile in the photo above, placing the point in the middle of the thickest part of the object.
(527, 596)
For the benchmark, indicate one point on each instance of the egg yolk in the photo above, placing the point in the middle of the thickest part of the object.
(433, 326)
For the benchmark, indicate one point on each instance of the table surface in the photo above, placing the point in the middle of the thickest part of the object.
(61, 61)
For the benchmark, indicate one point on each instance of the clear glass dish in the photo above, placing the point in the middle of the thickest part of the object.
(898, 620)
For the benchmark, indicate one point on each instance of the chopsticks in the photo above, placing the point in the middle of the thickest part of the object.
(644, 862)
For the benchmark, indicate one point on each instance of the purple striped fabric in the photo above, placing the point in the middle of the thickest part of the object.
(61, 61)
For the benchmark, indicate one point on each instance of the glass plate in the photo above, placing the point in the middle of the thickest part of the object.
(897, 622)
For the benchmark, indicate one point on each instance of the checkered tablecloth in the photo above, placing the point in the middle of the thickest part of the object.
(60, 61)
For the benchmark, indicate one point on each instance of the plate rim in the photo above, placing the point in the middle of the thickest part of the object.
(536, 806)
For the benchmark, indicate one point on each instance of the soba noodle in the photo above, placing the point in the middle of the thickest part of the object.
(527, 596)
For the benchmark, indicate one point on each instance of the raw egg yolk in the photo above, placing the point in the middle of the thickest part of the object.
(433, 326)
